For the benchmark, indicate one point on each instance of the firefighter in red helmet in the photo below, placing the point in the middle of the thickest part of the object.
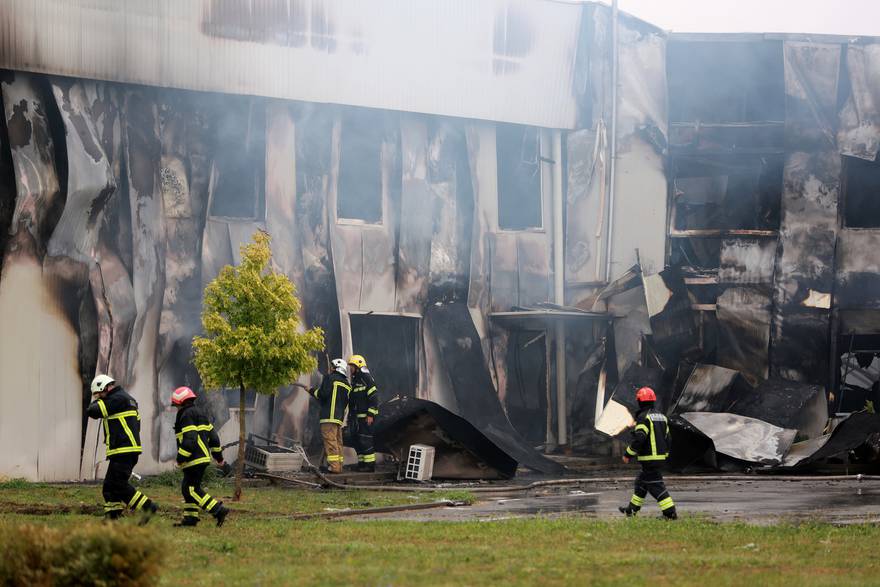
(197, 443)
(650, 447)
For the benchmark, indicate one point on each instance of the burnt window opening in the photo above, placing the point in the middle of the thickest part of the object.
(518, 151)
(721, 81)
(861, 193)
(727, 193)
(359, 191)
(390, 344)
(526, 397)
(858, 372)
(240, 160)
(696, 254)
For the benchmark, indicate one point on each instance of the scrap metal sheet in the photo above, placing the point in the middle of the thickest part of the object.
(743, 438)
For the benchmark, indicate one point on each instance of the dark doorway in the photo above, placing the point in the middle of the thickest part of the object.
(862, 193)
(526, 399)
(390, 344)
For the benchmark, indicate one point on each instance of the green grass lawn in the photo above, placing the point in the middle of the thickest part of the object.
(259, 548)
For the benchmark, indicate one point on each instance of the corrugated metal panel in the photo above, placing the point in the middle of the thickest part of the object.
(505, 60)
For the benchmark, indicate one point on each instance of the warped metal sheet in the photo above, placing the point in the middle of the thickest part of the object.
(744, 331)
(584, 218)
(409, 55)
(709, 388)
(743, 438)
(789, 404)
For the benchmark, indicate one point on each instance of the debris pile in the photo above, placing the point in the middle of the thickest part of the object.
(720, 417)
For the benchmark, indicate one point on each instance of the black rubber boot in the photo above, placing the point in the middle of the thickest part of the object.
(627, 510)
(111, 516)
(220, 515)
(187, 522)
(147, 512)
(670, 514)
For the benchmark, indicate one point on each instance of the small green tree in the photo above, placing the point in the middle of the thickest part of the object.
(252, 335)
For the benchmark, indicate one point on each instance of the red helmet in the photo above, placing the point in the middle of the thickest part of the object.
(646, 394)
(181, 394)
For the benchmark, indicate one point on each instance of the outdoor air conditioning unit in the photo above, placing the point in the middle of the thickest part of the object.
(420, 463)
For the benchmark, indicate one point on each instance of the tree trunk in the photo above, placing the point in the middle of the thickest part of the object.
(239, 463)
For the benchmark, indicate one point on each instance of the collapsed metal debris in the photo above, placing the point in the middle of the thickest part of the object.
(462, 450)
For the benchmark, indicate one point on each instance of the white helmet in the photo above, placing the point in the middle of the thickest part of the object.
(100, 383)
(340, 366)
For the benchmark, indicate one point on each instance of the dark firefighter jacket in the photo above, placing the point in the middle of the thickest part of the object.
(197, 441)
(333, 396)
(122, 422)
(363, 400)
(650, 444)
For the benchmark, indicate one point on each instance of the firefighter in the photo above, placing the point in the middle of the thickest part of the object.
(333, 396)
(363, 408)
(122, 436)
(650, 446)
(197, 442)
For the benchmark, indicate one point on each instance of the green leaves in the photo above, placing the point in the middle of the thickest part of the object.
(252, 327)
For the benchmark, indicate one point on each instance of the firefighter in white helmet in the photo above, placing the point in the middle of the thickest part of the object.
(333, 397)
(122, 436)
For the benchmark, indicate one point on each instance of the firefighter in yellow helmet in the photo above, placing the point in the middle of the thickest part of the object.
(122, 436)
(363, 409)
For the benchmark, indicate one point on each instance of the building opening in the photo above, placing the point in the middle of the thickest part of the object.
(861, 193)
(859, 373)
(239, 167)
(727, 192)
(518, 152)
(390, 344)
(726, 81)
(359, 191)
(526, 398)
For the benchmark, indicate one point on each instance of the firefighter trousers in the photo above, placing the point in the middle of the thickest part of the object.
(362, 438)
(194, 497)
(331, 434)
(118, 492)
(651, 481)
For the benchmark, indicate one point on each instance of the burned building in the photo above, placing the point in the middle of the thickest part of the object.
(504, 205)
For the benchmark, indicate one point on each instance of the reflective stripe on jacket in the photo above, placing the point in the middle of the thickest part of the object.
(197, 441)
(364, 396)
(650, 437)
(122, 422)
(333, 396)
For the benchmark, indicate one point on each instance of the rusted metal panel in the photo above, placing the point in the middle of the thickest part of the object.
(405, 55)
(859, 132)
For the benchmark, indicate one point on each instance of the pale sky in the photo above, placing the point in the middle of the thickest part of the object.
(837, 17)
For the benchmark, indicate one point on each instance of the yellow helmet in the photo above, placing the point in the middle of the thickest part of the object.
(358, 361)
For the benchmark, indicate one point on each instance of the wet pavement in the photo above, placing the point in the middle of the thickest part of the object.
(754, 501)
